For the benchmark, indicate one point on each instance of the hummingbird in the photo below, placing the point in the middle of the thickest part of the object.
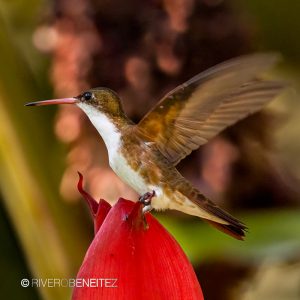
(145, 155)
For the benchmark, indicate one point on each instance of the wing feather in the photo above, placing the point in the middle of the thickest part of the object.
(202, 107)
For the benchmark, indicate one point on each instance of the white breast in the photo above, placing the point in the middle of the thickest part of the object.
(112, 139)
(108, 131)
(120, 166)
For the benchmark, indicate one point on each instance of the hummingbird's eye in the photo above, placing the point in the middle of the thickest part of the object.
(87, 95)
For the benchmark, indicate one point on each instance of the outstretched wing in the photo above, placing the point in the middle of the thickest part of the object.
(199, 109)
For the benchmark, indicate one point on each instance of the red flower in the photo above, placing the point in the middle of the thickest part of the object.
(132, 257)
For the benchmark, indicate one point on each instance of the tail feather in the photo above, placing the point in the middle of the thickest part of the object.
(234, 228)
(208, 210)
(230, 224)
(238, 232)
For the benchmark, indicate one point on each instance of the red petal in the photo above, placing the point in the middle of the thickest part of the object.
(146, 262)
(93, 204)
(103, 209)
(98, 210)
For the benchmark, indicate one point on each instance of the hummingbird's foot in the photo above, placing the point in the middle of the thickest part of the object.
(147, 197)
(146, 200)
(147, 208)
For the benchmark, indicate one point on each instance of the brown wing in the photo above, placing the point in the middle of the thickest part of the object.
(199, 109)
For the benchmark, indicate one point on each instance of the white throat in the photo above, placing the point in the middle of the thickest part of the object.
(108, 131)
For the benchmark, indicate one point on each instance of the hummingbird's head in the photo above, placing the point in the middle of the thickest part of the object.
(93, 101)
(101, 100)
(103, 108)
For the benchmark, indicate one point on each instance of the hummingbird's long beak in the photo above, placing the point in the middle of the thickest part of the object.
(53, 101)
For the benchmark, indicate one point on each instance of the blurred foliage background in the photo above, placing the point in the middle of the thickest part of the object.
(142, 50)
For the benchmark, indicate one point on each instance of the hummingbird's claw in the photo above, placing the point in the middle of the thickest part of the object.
(146, 200)
(147, 208)
(147, 197)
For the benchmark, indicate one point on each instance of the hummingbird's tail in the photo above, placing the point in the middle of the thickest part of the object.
(236, 231)
(230, 224)
(197, 204)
